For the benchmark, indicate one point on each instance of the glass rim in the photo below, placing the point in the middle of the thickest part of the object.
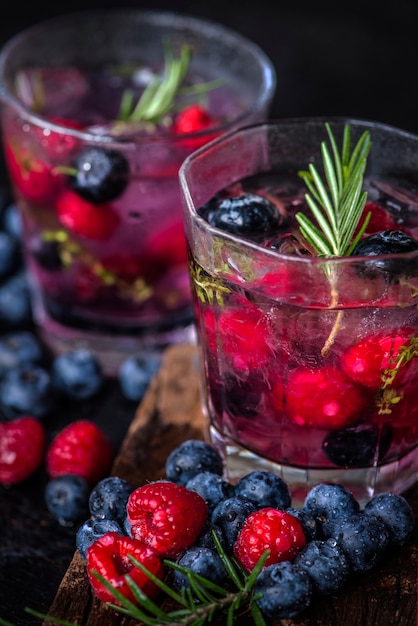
(170, 19)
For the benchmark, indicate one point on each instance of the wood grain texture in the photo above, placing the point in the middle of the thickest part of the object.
(171, 413)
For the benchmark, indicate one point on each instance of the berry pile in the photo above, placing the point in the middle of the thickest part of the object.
(192, 527)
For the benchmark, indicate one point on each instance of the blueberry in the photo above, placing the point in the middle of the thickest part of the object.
(15, 302)
(246, 215)
(12, 221)
(202, 561)
(286, 590)
(47, 253)
(19, 347)
(10, 257)
(328, 504)
(396, 514)
(211, 487)
(388, 242)
(135, 374)
(308, 522)
(364, 539)
(229, 515)
(102, 175)
(190, 458)
(93, 529)
(66, 497)
(206, 540)
(109, 497)
(26, 390)
(326, 564)
(356, 446)
(264, 489)
(77, 374)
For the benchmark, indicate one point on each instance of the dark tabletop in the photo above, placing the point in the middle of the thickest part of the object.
(359, 60)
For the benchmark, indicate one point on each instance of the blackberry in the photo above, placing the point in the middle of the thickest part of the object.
(396, 514)
(190, 458)
(356, 446)
(26, 390)
(328, 504)
(66, 497)
(247, 215)
(201, 561)
(326, 564)
(101, 175)
(77, 374)
(135, 374)
(211, 487)
(109, 497)
(388, 242)
(93, 529)
(364, 539)
(286, 590)
(264, 489)
(229, 515)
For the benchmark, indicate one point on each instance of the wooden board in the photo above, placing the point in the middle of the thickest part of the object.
(171, 413)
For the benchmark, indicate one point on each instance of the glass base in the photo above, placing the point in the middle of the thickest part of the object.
(364, 483)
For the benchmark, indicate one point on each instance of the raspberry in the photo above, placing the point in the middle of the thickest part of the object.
(80, 448)
(193, 119)
(94, 221)
(166, 516)
(108, 556)
(269, 529)
(379, 219)
(325, 398)
(33, 178)
(22, 447)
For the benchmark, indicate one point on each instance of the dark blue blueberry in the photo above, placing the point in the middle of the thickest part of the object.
(202, 561)
(77, 374)
(206, 540)
(329, 503)
(326, 564)
(20, 347)
(66, 497)
(190, 458)
(93, 529)
(387, 242)
(136, 372)
(264, 489)
(102, 175)
(356, 446)
(15, 302)
(12, 221)
(247, 215)
(26, 390)
(47, 253)
(286, 590)
(229, 515)
(10, 256)
(109, 497)
(396, 514)
(212, 487)
(364, 539)
(308, 522)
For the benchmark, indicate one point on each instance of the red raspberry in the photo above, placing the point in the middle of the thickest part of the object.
(367, 361)
(379, 220)
(32, 177)
(94, 221)
(325, 398)
(193, 119)
(108, 556)
(268, 529)
(80, 448)
(166, 516)
(22, 447)
(168, 246)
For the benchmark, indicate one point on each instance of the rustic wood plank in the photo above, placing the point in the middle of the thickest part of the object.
(171, 413)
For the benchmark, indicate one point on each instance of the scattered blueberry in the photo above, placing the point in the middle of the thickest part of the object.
(308, 522)
(206, 540)
(77, 374)
(229, 515)
(93, 529)
(66, 497)
(19, 347)
(109, 497)
(12, 221)
(190, 458)
(102, 175)
(10, 256)
(364, 539)
(26, 390)
(326, 564)
(264, 489)
(396, 514)
(286, 590)
(202, 561)
(328, 504)
(15, 302)
(135, 374)
(211, 487)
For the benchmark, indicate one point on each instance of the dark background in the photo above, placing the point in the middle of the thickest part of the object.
(341, 58)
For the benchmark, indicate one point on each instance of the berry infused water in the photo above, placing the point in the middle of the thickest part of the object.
(99, 112)
(307, 306)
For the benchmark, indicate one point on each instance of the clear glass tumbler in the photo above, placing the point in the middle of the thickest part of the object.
(99, 109)
(310, 364)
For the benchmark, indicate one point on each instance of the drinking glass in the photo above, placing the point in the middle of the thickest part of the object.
(309, 363)
(99, 109)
